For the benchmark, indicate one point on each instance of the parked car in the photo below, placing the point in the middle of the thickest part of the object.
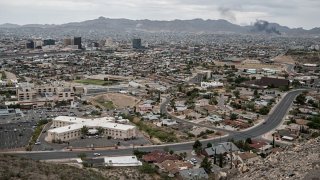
(37, 143)
(96, 154)
(194, 160)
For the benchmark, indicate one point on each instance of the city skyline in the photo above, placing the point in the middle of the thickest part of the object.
(299, 13)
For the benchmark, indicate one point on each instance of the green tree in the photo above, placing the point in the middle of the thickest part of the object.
(213, 101)
(171, 152)
(233, 116)
(236, 93)
(296, 83)
(183, 155)
(173, 104)
(255, 93)
(249, 141)
(100, 131)
(250, 106)
(84, 130)
(82, 155)
(264, 110)
(139, 154)
(147, 168)
(197, 147)
(209, 145)
(206, 164)
(301, 99)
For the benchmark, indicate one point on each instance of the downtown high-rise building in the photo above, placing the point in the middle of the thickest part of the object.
(136, 44)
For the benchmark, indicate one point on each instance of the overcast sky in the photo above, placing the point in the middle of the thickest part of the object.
(292, 13)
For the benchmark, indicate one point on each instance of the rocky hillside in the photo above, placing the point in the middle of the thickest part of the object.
(300, 161)
(17, 168)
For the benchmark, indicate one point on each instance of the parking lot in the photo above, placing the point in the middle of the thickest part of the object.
(15, 131)
(36, 115)
(15, 135)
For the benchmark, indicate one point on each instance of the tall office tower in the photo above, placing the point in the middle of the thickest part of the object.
(49, 42)
(77, 41)
(38, 44)
(136, 44)
(67, 42)
(30, 44)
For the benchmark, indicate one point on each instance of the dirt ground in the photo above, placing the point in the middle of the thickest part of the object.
(247, 64)
(119, 100)
(251, 64)
(284, 59)
(11, 75)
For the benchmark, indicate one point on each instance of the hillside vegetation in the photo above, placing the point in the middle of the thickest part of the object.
(12, 167)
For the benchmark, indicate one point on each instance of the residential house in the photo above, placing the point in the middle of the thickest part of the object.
(214, 118)
(159, 156)
(248, 157)
(174, 166)
(167, 122)
(144, 108)
(151, 117)
(221, 148)
(286, 134)
(261, 147)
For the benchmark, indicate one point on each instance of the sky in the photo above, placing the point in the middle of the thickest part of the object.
(291, 13)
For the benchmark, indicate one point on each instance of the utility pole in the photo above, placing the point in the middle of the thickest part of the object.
(231, 155)
(273, 141)
(215, 156)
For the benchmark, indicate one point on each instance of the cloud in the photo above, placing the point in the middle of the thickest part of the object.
(294, 13)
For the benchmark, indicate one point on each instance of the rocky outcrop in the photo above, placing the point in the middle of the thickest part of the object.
(299, 161)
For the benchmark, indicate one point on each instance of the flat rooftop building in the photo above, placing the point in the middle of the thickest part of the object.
(68, 128)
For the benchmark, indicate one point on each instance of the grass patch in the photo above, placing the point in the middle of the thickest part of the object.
(36, 133)
(3, 75)
(95, 82)
(106, 104)
(159, 133)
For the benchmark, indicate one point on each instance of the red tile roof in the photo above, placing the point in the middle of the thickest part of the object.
(159, 156)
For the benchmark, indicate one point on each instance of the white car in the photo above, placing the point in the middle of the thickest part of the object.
(194, 160)
(96, 154)
(37, 143)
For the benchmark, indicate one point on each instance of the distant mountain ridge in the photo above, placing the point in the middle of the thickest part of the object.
(189, 26)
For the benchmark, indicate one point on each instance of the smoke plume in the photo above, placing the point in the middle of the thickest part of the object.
(264, 26)
(226, 13)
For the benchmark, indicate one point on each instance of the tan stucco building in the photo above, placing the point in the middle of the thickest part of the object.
(68, 128)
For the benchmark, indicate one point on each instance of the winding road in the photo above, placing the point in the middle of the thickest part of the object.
(272, 121)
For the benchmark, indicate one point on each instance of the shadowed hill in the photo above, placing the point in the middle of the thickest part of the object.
(12, 167)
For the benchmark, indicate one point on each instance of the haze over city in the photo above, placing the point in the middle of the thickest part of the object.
(296, 13)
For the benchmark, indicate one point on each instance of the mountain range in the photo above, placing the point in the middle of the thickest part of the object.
(187, 26)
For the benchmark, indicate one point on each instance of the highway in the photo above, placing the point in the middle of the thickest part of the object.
(272, 121)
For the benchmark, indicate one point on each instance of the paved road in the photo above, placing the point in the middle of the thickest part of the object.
(273, 120)
(30, 54)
